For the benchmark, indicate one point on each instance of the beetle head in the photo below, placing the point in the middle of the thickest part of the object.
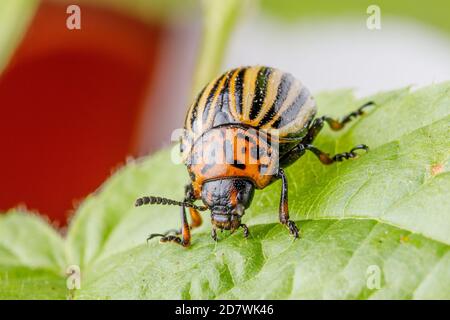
(227, 199)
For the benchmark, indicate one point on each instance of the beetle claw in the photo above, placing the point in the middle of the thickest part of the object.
(293, 230)
(214, 234)
(360, 147)
(170, 239)
(246, 232)
(154, 235)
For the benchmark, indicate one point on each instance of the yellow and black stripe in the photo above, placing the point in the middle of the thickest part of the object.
(258, 96)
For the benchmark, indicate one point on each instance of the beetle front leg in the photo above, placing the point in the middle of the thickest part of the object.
(185, 239)
(284, 210)
(196, 221)
(196, 218)
(326, 159)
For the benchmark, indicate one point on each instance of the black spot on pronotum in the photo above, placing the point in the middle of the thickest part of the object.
(239, 166)
(246, 136)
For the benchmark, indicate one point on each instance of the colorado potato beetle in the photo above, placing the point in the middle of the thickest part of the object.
(240, 133)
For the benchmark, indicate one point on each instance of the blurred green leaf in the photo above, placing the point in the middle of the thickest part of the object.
(387, 210)
(15, 16)
(32, 258)
(21, 283)
(433, 12)
(219, 18)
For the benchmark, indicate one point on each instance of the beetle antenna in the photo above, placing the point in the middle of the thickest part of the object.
(164, 201)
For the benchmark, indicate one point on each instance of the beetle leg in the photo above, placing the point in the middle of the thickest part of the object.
(189, 193)
(326, 159)
(196, 218)
(334, 124)
(338, 125)
(174, 231)
(185, 239)
(284, 210)
(246, 233)
(214, 234)
(292, 156)
(313, 130)
(196, 221)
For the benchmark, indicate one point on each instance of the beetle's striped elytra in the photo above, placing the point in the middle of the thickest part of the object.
(240, 132)
(259, 97)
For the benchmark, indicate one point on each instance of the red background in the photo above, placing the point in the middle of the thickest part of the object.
(69, 103)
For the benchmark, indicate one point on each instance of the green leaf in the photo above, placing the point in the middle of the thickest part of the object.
(383, 216)
(219, 18)
(435, 12)
(330, 261)
(14, 18)
(32, 259)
